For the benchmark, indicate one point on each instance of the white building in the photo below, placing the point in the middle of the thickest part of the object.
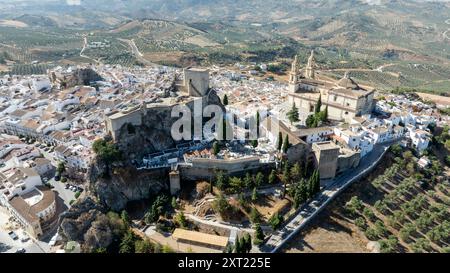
(420, 140)
(312, 135)
(17, 181)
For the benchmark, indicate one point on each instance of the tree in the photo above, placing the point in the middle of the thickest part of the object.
(174, 202)
(167, 249)
(325, 114)
(106, 151)
(318, 105)
(100, 250)
(254, 195)
(280, 141)
(128, 242)
(238, 247)
(259, 235)
(216, 148)
(236, 184)
(259, 179)
(286, 144)
(61, 168)
(276, 220)
(255, 216)
(293, 115)
(224, 128)
(258, 120)
(311, 121)
(228, 249)
(156, 209)
(272, 177)
(144, 246)
(180, 219)
(296, 172)
(248, 181)
(125, 218)
(316, 181)
(254, 143)
(225, 99)
(286, 176)
(221, 205)
(247, 239)
(396, 149)
(220, 180)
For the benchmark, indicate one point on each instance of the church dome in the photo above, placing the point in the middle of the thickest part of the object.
(347, 82)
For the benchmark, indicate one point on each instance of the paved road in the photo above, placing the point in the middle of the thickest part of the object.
(331, 190)
(65, 194)
(8, 245)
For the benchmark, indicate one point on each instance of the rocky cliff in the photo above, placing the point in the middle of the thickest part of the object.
(76, 222)
(154, 134)
(86, 222)
(126, 183)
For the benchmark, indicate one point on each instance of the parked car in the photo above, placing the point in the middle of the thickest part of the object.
(24, 239)
(67, 186)
(21, 250)
(57, 177)
(13, 235)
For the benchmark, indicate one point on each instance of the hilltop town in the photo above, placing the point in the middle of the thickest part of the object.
(81, 143)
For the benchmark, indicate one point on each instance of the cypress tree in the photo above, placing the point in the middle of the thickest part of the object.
(280, 141)
(237, 245)
(325, 114)
(259, 234)
(318, 105)
(272, 177)
(293, 115)
(286, 144)
(257, 123)
(225, 99)
(317, 181)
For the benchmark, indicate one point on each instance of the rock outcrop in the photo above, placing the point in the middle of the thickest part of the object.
(76, 222)
(78, 77)
(127, 184)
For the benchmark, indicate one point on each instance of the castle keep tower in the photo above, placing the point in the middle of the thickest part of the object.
(196, 81)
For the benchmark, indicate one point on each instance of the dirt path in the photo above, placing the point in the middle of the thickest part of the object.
(136, 52)
(84, 48)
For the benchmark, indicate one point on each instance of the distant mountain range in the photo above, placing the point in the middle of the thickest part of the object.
(357, 33)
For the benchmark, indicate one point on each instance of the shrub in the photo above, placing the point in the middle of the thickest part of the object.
(276, 220)
(360, 222)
